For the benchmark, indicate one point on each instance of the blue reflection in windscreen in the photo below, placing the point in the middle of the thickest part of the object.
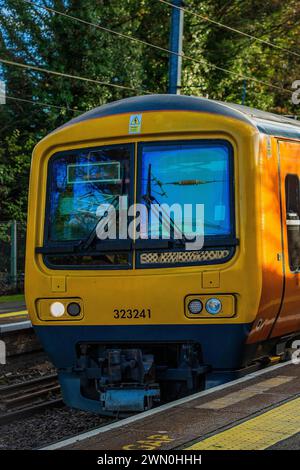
(191, 174)
(80, 182)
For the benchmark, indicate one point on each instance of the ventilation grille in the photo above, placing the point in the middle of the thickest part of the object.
(183, 256)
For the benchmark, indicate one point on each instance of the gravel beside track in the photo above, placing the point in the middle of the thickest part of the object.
(47, 427)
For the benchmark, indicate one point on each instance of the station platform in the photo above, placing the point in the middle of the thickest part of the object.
(17, 333)
(14, 321)
(13, 316)
(259, 411)
(12, 307)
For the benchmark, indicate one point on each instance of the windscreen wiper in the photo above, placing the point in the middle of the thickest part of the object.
(84, 245)
(149, 199)
(55, 250)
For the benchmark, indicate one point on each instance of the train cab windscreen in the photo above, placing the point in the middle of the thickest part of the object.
(170, 175)
(79, 182)
(184, 175)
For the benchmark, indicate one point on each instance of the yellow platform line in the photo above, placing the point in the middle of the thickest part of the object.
(13, 314)
(249, 392)
(257, 433)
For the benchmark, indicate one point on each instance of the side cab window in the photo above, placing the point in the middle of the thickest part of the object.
(293, 220)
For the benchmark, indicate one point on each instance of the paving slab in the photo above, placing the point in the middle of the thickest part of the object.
(207, 414)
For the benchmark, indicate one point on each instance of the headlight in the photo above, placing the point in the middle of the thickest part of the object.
(213, 306)
(195, 306)
(74, 309)
(57, 309)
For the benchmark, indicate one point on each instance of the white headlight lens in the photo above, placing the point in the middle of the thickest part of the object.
(195, 306)
(213, 306)
(57, 309)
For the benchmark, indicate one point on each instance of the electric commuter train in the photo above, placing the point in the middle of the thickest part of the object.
(132, 321)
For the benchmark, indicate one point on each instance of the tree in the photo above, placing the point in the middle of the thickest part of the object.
(274, 21)
(33, 35)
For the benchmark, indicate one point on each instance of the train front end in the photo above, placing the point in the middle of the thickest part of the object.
(137, 278)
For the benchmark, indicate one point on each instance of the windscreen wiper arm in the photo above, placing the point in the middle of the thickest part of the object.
(85, 244)
(149, 199)
(55, 250)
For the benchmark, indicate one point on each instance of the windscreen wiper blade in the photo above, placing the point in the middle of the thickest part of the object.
(149, 199)
(85, 244)
(55, 250)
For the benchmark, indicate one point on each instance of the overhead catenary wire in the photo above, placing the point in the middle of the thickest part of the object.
(230, 28)
(102, 28)
(40, 103)
(65, 75)
(163, 49)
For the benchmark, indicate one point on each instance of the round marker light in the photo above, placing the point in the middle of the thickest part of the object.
(195, 306)
(57, 309)
(74, 309)
(213, 306)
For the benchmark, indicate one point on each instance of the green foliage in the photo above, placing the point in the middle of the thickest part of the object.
(29, 34)
(275, 21)
(32, 35)
(15, 153)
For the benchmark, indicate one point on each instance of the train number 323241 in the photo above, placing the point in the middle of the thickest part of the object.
(132, 313)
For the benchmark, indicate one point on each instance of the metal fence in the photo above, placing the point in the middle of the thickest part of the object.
(12, 257)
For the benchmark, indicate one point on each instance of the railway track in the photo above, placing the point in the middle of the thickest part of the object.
(29, 397)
